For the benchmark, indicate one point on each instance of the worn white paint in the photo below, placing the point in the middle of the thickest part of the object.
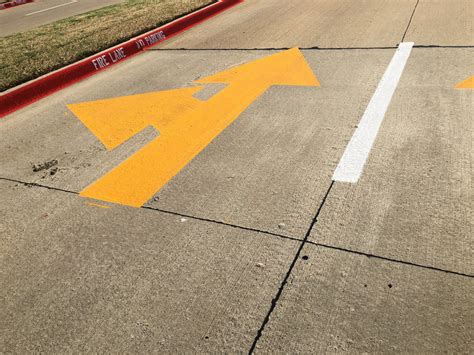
(352, 163)
(51, 8)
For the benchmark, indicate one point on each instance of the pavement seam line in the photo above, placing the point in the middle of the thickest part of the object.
(409, 21)
(249, 229)
(370, 255)
(34, 184)
(264, 48)
(315, 48)
(435, 46)
(290, 270)
(351, 251)
(202, 219)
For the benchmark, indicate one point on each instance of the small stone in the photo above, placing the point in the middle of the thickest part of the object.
(260, 265)
(45, 165)
(183, 219)
(281, 225)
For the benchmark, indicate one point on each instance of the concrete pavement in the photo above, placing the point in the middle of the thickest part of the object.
(335, 24)
(339, 302)
(442, 23)
(166, 284)
(305, 23)
(416, 192)
(252, 247)
(41, 12)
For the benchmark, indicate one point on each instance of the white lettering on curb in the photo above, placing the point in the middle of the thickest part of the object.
(150, 40)
(140, 44)
(100, 62)
(117, 55)
(114, 56)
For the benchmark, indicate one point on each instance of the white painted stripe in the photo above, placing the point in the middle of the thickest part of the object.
(51, 8)
(352, 163)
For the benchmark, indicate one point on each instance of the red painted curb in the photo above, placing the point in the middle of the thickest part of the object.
(14, 3)
(26, 94)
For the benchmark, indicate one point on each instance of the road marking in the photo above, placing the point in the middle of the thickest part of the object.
(51, 8)
(466, 84)
(352, 163)
(97, 205)
(186, 124)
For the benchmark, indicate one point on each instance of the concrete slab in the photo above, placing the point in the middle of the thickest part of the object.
(442, 23)
(79, 278)
(340, 302)
(414, 200)
(271, 166)
(303, 23)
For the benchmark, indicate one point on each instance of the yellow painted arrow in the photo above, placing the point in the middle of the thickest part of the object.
(186, 124)
(466, 84)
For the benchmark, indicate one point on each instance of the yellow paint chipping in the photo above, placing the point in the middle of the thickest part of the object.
(97, 205)
(466, 84)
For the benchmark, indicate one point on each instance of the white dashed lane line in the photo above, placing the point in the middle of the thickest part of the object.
(352, 163)
(51, 8)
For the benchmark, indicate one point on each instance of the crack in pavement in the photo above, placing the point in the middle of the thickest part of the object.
(203, 219)
(379, 257)
(409, 21)
(302, 242)
(315, 48)
(265, 48)
(290, 270)
(223, 223)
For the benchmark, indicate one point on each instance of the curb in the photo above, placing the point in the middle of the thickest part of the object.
(14, 3)
(25, 94)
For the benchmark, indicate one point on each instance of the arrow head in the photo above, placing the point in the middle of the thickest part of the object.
(284, 68)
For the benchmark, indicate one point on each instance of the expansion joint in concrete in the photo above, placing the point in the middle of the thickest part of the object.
(249, 229)
(409, 21)
(34, 184)
(313, 48)
(263, 232)
(379, 257)
(260, 231)
(290, 270)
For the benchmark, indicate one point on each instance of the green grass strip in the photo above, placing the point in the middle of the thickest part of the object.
(30, 54)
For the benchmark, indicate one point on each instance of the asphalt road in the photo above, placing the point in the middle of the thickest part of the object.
(40, 12)
(253, 246)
